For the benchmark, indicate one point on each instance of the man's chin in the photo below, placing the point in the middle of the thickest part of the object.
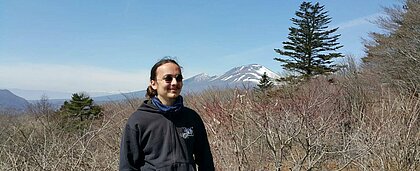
(174, 95)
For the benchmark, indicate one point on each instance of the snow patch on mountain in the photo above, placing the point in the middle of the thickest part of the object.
(236, 77)
(201, 77)
(247, 73)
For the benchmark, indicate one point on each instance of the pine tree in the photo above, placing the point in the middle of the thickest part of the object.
(79, 111)
(264, 83)
(309, 43)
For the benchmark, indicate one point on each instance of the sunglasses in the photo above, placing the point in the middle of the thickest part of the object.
(169, 78)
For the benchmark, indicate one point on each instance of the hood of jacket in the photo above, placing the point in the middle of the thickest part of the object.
(148, 106)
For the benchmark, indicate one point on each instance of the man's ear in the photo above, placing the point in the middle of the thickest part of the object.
(153, 84)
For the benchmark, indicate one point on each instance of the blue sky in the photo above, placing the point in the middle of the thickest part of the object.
(110, 46)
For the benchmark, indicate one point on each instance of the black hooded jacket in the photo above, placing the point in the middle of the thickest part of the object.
(153, 140)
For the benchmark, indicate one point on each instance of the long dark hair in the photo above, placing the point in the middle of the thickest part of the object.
(150, 91)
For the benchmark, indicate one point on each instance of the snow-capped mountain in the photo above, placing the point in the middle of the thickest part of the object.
(242, 76)
(247, 75)
(199, 78)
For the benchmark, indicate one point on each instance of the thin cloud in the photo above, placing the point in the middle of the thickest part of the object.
(70, 78)
(366, 20)
(257, 51)
(254, 53)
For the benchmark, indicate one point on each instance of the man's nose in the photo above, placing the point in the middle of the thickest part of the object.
(174, 81)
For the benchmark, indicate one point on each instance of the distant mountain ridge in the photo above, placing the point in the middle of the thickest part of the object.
(11, 102)
(246, 75)
(38, 94)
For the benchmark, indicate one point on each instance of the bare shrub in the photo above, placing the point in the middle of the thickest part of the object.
(394, 56)
(351, 123)
(319, 125)
(292, 130)
(38, 143)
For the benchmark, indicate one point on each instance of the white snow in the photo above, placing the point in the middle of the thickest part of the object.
(247, 73)
(226, 78)
(201, 77)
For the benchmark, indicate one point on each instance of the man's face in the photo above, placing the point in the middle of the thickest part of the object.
(168, 83)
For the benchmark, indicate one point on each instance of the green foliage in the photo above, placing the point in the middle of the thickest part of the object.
(309, 44)
(265, 83)
(79, 112)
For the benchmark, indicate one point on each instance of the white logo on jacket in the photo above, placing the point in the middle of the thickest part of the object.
(187, 132)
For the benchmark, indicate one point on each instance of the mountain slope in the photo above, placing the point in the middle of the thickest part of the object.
(34, 95)
(11, 102)
(247, 75)
(121, 96)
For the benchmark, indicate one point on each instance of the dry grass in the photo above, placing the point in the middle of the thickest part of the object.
(350, 123)
(37, 142)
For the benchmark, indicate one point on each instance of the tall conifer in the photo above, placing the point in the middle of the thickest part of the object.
(310, 42)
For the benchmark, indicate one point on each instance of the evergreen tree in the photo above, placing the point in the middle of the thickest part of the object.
(79, 111)
(309, 43)
(264, 83)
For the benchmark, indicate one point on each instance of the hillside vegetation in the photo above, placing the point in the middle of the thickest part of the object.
(356, 119)
(347, 123)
